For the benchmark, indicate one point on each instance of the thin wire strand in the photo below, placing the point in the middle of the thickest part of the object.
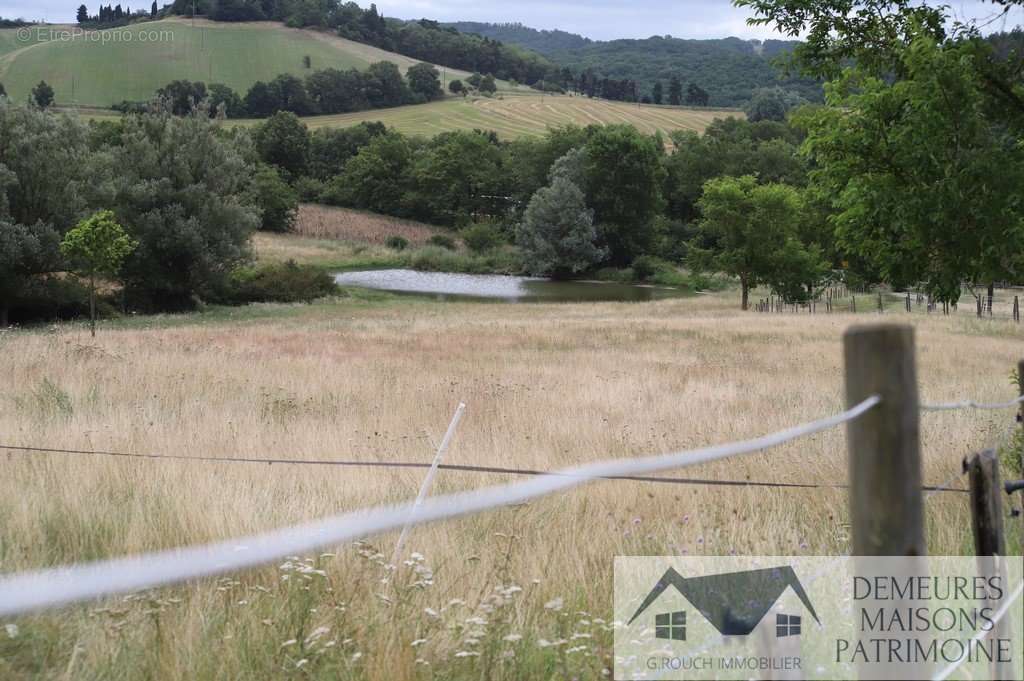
(459, 468)
(982, 633)
(31, 591)
(971, 404)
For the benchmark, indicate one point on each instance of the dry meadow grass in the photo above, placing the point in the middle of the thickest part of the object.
(325, 222)
(546, 387)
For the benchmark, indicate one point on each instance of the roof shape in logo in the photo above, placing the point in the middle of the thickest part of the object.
(735, 602)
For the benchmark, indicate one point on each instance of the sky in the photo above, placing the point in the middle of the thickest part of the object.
(598, 19)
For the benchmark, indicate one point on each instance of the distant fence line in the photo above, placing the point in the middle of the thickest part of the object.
(830, 300)
(885, 490)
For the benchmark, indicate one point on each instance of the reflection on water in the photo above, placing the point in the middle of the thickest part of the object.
(445, 286)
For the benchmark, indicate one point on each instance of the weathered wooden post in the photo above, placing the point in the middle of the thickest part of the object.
(989, 540)
(853, 303)
(886, 508)
(986, 503)
(884, 458)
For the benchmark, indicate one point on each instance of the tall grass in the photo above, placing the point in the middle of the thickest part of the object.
(517, 593)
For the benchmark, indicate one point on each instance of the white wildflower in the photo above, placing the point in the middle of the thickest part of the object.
(555, 605)
(301, 663)
(419, 642)
(316, 634)
(12, 630)
(467, 653)
(512, 638)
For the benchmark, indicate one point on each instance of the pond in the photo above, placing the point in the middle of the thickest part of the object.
(445, 286)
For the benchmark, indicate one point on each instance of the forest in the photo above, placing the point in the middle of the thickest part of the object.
(728, 69)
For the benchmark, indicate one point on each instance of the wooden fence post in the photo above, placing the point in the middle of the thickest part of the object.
(886, 507)
(986, 503)
(989, 541)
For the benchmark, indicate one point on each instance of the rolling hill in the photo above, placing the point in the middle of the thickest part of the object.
(131, 63)
(730, 69)
(89, 74)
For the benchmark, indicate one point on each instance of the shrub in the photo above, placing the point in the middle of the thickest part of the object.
(397, 243)
(482, 237)
(309, 189)
(645, 267)
(443, 241)
(279, 283)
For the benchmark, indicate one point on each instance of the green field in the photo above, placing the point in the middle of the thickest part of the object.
(106, 67)
(514, 116)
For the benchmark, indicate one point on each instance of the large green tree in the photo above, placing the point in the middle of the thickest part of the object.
(456, 176)
(425, 81)
(557, 234)
(623, 183)
(374, 179)
(26, 251)
(925, 182)
(180, 186)
(752, 229)
(283, 141)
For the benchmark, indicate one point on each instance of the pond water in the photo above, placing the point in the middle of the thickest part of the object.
(445, 286)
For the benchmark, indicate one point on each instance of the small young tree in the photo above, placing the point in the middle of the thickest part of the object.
(277, 201)
(97, 247)
(42, 94)
(557, 234)
(456, 87)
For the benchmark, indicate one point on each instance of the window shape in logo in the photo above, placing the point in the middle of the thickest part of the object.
(671, 625)
(787, 625)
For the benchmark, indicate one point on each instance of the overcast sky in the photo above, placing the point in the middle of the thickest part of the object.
(599, 19)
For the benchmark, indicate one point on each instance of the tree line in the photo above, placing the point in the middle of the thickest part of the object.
(728, 69)
(187, 193)
(109, 16)
(326, 91)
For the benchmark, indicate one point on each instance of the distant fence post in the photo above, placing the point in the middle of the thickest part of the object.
(886, 507)
(986, 503)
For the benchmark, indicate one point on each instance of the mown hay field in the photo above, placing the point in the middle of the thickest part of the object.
(517, 593)
(325, 222)
(527, 115)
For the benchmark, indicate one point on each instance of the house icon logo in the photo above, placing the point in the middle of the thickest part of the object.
(734, 603)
